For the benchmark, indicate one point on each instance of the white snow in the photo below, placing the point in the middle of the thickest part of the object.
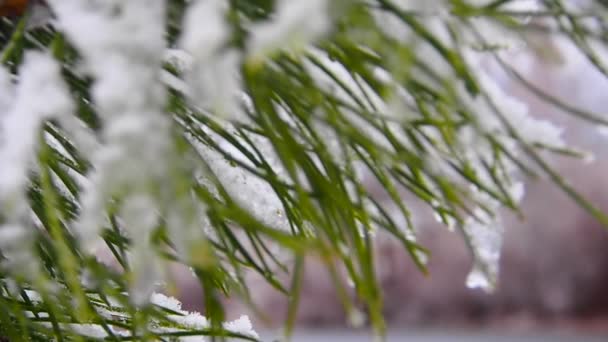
(21, 120)
(294, 25)
(213, 77)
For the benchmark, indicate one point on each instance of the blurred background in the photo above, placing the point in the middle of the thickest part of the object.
(554, 269)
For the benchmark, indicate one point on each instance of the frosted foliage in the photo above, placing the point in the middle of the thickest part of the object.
(126, 91)
(179, 321)
(531, 130)
(130, 100)
(138, 171)
(496, 104)
(21, 120)
(21, 124)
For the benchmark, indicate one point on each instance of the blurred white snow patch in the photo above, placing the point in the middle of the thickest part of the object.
(212, 69)
(130, 99)
(98, 31)
(205, 29)
(215, 85)
(174, 82)
(517, 191)
(420, 6)
(180, 59)
(139, 214)
(294, 25)
(86, 330)
(41, 94)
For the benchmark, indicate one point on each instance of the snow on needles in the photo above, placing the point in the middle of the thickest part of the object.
(492, 110)
(130, 100)
(180, 321)
(136, 164)
(21, 120)
(194, 320)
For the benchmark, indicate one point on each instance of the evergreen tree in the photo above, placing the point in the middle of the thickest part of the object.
(244, 135)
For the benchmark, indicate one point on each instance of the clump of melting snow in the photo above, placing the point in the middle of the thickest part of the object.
(485, 235)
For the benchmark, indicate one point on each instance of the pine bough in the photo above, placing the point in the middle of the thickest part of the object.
(241, 136)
